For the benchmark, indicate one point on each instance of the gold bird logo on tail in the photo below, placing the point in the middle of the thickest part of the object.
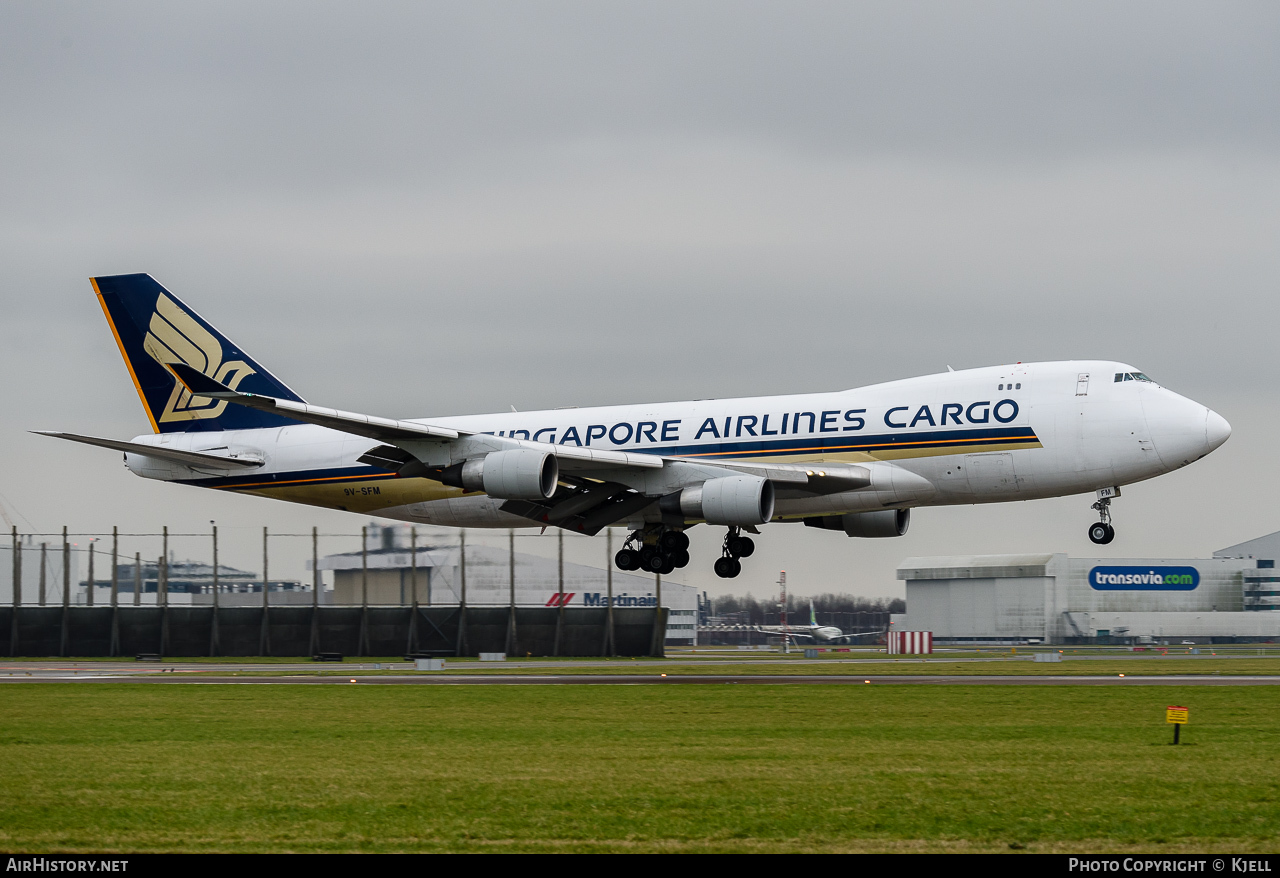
(175, 337)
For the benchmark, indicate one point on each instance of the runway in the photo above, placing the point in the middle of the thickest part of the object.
(258, 679)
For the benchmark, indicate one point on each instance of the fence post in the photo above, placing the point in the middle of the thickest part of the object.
(215, 632)
(162, 595)
(511, 570)
(17, 592)
(264, 635)
(44, 563)
(658, 649)
(364, 590)
(137, 579)
(315, 591)
(115, 591)
(560, 598)
(413, 586)
(162, 591)
(89, 594)
(609, 645)
(64, 640)
(461, 647)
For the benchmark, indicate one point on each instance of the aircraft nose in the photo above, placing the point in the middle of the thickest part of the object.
(1216, 430)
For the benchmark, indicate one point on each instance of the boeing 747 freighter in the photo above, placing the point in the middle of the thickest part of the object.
(853, 461)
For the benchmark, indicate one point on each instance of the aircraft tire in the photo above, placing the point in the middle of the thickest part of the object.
(627, 560)
(674, 541)
(680, 558)
(742, 547)
(1101, 533)
(727, 568)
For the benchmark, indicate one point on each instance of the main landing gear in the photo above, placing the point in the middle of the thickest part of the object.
(1102, 532)
(735, 546)
(659, 550)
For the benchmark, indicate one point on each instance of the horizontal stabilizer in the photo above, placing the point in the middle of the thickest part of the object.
(190, 458)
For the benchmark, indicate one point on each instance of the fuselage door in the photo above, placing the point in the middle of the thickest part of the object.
(991, 473)
(1082, 384)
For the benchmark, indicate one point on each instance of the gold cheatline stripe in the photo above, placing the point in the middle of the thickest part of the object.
(365, 478)
(155, 428)
(990, 440)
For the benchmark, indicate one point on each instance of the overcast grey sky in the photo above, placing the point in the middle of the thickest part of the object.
(421, 208)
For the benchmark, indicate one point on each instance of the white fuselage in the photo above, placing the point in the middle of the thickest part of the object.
(985, 435)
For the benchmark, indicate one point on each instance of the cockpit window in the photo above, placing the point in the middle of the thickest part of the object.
(1132, 376)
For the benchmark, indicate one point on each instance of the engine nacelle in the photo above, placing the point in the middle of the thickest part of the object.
(518, 474)
(732, 500)
(881, 523)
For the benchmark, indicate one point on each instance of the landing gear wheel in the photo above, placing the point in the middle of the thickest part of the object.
(1102, 532)
(680, 558)
(626, 559)
(727, 568)
(674, 541)
(649, 557)
(741, 547)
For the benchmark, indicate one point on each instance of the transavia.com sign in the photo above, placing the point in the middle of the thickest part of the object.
(1144, 578)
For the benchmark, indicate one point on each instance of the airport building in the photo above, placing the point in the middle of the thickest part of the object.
(1052, 598)
(386, 573)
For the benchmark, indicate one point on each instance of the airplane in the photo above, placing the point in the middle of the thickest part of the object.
(850, 461)
(828, 634)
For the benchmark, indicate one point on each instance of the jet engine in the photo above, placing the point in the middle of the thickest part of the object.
(518, 474)
(732, 500)
(881, 523)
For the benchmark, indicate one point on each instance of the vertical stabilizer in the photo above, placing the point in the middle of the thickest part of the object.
(152, 327)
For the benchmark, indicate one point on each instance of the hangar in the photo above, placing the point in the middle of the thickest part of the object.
(1053, 598)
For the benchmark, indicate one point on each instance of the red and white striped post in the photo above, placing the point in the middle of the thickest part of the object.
(910, 643)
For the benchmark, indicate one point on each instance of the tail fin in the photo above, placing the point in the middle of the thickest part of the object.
(813, 617)
(152, 326)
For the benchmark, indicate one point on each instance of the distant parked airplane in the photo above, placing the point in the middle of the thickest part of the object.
(824, 634)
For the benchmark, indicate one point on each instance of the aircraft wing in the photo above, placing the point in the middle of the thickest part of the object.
(395, 432)
(383, 429)
(854, 638)
(779, 631)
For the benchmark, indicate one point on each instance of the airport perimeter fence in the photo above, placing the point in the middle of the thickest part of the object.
(124, 593)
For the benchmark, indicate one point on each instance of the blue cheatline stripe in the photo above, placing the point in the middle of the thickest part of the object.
(959, 440)
(838, 444)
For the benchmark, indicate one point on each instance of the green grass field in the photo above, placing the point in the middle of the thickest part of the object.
(128, 767)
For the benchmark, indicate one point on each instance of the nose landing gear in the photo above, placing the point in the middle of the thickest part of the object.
(1102, 532)
(735, 546)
